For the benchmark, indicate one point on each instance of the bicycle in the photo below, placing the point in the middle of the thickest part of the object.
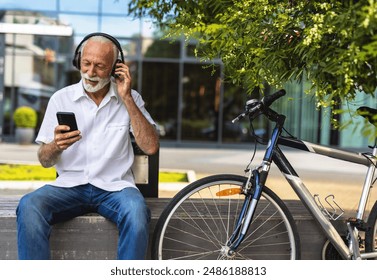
(238, 217)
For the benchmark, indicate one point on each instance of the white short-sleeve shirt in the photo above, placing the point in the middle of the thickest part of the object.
(104, 155)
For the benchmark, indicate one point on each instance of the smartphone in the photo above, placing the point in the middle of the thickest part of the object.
(67, 118)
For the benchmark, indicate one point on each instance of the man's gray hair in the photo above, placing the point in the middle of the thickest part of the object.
(102, 39)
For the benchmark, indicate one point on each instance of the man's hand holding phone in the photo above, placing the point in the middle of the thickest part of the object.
(66, 133)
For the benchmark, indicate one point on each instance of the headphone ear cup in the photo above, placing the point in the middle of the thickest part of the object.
(114, 67)
(76, 60)
(113, 71)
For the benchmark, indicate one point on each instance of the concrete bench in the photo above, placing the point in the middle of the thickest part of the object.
(93, 237)
(86, 237)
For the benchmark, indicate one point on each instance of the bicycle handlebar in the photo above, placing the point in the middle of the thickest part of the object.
(253, 106)
(268, 100)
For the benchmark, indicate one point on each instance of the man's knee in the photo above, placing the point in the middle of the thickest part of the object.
(25, 204)
(138, 211)
(135, 210)
(30, 206)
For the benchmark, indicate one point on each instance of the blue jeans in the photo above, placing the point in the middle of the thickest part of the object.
(39, 210)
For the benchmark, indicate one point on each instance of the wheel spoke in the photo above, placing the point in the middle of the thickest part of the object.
(197, 224)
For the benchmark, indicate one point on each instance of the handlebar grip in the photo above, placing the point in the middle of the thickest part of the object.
(268, 100)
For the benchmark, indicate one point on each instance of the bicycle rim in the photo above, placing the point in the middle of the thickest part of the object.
(198, 223)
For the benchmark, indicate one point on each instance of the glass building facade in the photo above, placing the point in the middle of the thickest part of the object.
(186, 97)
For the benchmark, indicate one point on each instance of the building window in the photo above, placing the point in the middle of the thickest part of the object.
(160, 87)
(200, 107)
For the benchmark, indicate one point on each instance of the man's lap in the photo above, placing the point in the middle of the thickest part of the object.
(67, 203)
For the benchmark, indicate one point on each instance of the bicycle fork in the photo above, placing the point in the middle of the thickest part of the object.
(258, 178)
(247, 212)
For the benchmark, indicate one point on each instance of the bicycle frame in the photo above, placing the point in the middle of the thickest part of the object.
(274, 153)
(257, 179)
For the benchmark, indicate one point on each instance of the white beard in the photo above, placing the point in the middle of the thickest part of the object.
(102, 82)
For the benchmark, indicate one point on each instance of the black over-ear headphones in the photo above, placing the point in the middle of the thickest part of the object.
(77, 57)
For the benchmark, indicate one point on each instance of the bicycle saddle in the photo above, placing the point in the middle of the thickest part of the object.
(368, 113)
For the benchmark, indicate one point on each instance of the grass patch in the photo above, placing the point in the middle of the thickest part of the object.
(172, 177)
(24, 172)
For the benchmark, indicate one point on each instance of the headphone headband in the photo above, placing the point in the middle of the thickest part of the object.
(76, 58)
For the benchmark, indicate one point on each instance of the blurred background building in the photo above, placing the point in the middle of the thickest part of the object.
(184, 95)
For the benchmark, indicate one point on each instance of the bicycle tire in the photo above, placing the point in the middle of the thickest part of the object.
(196, 224)
(371, 233)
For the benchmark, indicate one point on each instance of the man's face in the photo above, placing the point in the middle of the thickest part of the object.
(96, 65)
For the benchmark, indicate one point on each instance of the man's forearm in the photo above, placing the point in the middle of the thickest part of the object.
(145, 133)
(146, 136)
(48, 154)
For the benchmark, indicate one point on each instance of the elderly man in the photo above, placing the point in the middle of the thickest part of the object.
(94, 161)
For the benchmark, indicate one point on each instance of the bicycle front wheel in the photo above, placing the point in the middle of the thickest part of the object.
(200, 219)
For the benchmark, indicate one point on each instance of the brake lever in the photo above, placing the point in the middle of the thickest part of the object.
(248, 112)
(240, 117)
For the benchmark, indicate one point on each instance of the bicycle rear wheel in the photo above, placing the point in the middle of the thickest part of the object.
(371, 233)
(198, 222)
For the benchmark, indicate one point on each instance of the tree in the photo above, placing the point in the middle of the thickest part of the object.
(332, 44)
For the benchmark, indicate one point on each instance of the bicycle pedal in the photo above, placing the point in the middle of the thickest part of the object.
(359, 224)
